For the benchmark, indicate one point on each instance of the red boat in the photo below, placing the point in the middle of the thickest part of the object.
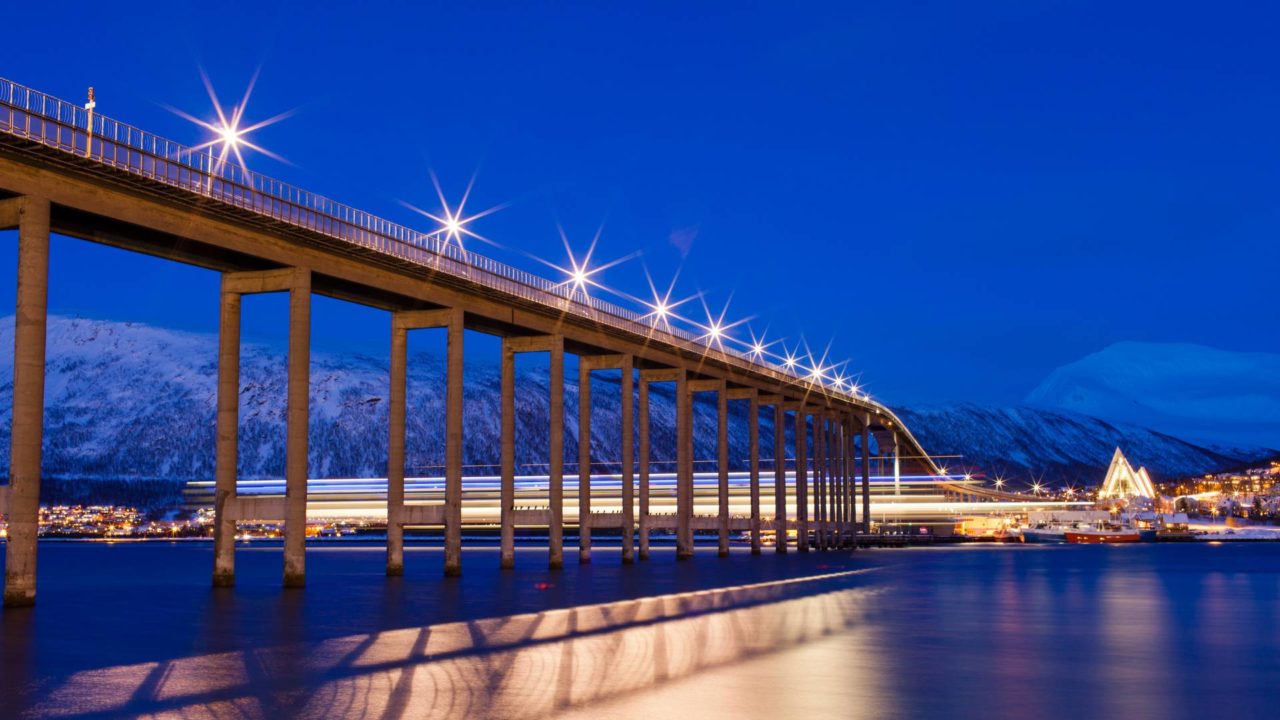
(1101, 536)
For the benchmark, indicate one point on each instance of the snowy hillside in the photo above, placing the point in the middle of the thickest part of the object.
(1023, 442)
(1191, 391)
(133, 403)
(128, 401)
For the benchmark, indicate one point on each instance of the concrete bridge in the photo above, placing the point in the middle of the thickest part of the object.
(67, 170)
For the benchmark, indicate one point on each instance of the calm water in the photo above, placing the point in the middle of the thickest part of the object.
(974, 631)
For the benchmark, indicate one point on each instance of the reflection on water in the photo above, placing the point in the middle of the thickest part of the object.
(522, 666)
(1166, 631)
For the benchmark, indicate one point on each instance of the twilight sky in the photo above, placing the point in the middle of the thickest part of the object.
(958, 196)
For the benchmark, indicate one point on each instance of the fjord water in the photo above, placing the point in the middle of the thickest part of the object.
(125, 629)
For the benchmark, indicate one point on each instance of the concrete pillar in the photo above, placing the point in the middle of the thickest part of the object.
(722, 467)
(819, 481)
(830, 494)
(584, 462)
(27, 429)
(850, 507)
(837, 433)
(296, 421)
(780, 478)
(227, 443)
(897, 468)
(395, 450)
(628, 462)
(848, 473)
(684, 468)
(833, 482)
(753, 449)
(828, 481)
(507, 493)
(453, 448)
(555, 533)
(837, 483)
(837, 507)
(644, 467)
(802, 481)
(866, 477)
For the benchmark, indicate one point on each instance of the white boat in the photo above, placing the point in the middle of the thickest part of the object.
(1044, 534)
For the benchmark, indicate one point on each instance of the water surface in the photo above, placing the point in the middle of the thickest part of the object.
(132, 629)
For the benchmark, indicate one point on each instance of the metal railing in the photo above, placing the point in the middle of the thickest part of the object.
(65, 126)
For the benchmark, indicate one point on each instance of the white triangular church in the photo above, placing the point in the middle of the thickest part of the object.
(1123, 482)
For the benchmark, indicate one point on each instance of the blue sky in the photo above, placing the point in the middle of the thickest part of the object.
(958, 196)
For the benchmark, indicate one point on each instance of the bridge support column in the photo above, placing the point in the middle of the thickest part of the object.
(643, 410)
(837, 473)
(897, 468)
(779, 478)
(624, 365)
(228, 438)
(721, 389)
(684, 467)
(820, 477)
(453, 447)
(815, 482)
(837, 487)
(507, 493)
(296, 422)
(584, 461)
(833, 483)
(722, 467)
(402, 322)
(27, 429)
(753, 449)
(296, 282)
(555, 533)
(838, 441)
(628, 461)
(850, 487)
(802, 480)
(553, 345)
(827, 483)
(866, 475)
(395, 450)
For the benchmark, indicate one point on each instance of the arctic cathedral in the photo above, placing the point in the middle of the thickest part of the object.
(1124, 483)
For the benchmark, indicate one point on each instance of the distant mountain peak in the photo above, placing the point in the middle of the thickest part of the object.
(1193, 391)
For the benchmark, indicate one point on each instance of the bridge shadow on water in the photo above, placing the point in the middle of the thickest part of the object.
(526, 665)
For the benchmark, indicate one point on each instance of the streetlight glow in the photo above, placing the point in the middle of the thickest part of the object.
(229, 130)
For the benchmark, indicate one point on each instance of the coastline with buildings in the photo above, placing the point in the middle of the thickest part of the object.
(1224, 507)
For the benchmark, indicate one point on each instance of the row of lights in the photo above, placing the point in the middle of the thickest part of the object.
(230, 133)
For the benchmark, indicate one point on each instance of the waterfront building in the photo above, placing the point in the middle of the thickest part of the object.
(1124, 483)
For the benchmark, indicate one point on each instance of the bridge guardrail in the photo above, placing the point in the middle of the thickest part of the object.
(66, 126)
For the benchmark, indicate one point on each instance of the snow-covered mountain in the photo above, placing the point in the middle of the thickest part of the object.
(1203, 394)
(133, 403)
(129, 401)
(1024, 443)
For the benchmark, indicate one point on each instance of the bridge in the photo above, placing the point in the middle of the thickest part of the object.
(66, 169)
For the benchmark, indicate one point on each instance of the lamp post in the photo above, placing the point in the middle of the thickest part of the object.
(88, 143)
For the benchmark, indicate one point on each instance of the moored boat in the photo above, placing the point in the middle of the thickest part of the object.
(1044, 534)
(1107, 536)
